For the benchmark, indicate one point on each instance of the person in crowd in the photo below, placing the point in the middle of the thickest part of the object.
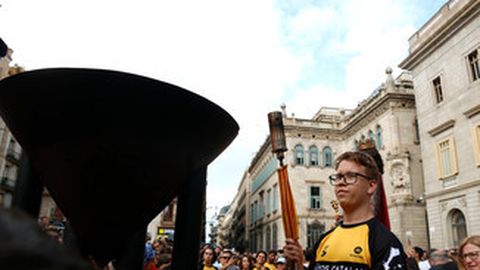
(469, 253)
(419, 254)
(44, 222)
(208, 256)
(164, 261)
(271, 258)
(227, 260)
(439, 260)
(246, 262)
(412, 263)
(150, 263)
(149, 253)
(281, 263)
(260, 260)
(361, 241)
(218, 250)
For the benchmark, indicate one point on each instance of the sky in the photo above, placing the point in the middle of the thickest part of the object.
(247, 56)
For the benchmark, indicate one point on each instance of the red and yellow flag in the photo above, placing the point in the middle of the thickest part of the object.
(289, 214)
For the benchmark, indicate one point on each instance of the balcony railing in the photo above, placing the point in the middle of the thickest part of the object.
(13, 156)
(7, 183)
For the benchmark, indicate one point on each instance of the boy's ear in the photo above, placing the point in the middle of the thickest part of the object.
(372, 186)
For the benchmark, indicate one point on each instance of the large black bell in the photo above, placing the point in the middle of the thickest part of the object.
(112, 148)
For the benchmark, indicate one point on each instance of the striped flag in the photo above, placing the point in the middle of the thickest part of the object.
(289, 215)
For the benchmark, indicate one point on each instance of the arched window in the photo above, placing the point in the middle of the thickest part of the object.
(253, 240)
(355, 145)
(371, 136)
(274, 237)
(259, 240)
(313, 151)
(378, 140)
(299, 154)
(459, 227)
(327, 157)
(268, 243)
(314, 231)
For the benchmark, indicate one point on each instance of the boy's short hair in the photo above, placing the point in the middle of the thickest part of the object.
(362, 159)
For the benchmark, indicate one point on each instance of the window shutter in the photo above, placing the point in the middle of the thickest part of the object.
(476, 143)
(439, 162)
(453, 152)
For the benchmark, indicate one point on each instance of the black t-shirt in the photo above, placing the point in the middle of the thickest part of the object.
(363, 246)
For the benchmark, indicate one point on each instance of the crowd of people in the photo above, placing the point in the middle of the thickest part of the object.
(226, 259)
(465, 257)
(158, 254)
(361, 240)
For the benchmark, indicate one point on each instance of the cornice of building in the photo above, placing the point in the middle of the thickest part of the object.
(376, 108)
(457, 188)
(360, 116)
(451, 18)
(266, 145)
(472, 111)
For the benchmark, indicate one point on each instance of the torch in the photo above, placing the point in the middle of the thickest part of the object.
(289, 215)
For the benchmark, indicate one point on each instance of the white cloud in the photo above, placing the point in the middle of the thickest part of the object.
(372, 34)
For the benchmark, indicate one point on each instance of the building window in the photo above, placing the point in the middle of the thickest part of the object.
(168, 212)
(473, 65)
(313, 151)
(459, 227)
(261, 205)
(371, 136)
(378, 140)
(299, 154)
(253, 241)
(255, 211)
(275, 196)
(446, 158)
(476, 140)
(327, 157)
(355, 145)
(417, 131)
(314, 231)
(260, 240)
(315, 198)
(268, 244)
(252, 213)
(274, 237)
(269, 198)
(437, 87)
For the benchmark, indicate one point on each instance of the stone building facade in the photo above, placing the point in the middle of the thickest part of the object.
(444, 61)
(388, 117)
(10, 150)
(233, 225)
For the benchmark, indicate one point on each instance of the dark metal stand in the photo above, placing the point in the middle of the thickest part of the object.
(28, 189)
(131, 257)
(188, 222)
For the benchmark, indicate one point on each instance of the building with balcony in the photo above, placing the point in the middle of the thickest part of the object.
(444, 63)
(9, 149)
(232, 231)
(224, 219)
